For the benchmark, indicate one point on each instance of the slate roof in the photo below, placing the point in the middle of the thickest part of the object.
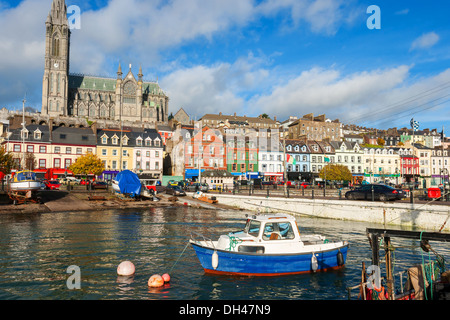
(74, 136)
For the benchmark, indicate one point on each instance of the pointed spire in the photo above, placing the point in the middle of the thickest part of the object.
(58, 12)
(140, 75)
(119, 72)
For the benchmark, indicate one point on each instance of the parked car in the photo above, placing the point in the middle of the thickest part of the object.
(72, 180)
(99, 185)
(52, 185)
(381, 192)
(305, 185)
(176, 191)
(172, 183)
(193, 187)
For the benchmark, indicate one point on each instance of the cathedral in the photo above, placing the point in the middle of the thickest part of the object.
(125, 98)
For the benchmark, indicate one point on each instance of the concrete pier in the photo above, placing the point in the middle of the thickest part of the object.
(433, 217)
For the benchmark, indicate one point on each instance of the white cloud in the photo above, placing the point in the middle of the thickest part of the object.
(327, 91)
(212, 89)
(323, 16)
(425, 41)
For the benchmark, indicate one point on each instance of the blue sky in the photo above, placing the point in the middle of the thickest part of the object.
(280, 57)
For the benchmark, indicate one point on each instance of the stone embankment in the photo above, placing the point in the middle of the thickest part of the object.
(401, 214)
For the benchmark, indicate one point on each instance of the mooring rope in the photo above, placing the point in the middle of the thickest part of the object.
(179, 257)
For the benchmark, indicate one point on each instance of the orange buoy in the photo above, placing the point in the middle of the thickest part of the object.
(126, 268)
(155, 281)
(166, 277)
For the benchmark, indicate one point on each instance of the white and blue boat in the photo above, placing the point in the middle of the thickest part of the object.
(269, 245)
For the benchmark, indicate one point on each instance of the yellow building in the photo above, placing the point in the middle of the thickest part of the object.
(116, 156)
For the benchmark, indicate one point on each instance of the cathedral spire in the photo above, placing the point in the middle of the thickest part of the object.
(119, 72)
(140, 75)
(58, 13)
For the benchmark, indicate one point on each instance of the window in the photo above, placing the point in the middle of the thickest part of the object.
(67, 163)
(114, 152)
(114, 164)
(24, 134)
(115, 140)
(104, 140)
(37, 135)
(68, 150)
(42, 164)
(42, 149)
(57, 149)
(16, 148)
(57, 163)
(104, 152)
(156, 154)
(252, 227)
(79, 150)
(278, 231)
(30, 149)
(62, 136)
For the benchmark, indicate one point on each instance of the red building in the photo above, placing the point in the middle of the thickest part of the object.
(409, 166)
(205, 149)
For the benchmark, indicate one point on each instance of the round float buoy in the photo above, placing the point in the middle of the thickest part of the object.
(155, 281)
(166, 277)
(126, 268)
(215, 260)
(314, 263)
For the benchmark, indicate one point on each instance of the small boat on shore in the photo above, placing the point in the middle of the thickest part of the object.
(25, 181)
(269, 245)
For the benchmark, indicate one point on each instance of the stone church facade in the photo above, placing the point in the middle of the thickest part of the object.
(65, 95)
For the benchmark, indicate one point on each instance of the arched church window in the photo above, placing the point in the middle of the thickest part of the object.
(92, 111)
(55, 46)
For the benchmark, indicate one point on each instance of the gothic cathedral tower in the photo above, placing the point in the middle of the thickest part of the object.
(56, 74)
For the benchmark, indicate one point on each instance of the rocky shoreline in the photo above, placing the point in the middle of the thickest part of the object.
(62, 201)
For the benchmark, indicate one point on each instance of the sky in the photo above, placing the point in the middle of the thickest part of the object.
(340, 58)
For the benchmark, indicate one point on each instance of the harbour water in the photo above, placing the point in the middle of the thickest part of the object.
(36, 251)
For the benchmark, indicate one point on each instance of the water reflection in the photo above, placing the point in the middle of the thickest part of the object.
(35, 251)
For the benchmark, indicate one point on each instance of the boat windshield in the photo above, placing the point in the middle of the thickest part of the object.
(252, 227)
(282, 229)
(24, 176)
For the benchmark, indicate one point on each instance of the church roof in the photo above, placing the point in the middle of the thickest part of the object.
(79, 81)
(92, 83)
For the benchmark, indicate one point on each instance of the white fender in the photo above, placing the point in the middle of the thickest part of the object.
(215, 260)
(314, 263)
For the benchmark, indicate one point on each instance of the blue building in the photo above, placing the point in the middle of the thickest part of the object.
(298, 160)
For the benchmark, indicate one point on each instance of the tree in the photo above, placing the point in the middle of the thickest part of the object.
(30, 161)
(265, 116)
(381, 141)
(335, 172)
(6, 161)
(87, 164)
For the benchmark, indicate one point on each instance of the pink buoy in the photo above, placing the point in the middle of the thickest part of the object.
(155, 281)
(126, 268)
(166, 277)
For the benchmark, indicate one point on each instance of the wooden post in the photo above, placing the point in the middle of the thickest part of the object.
(389, 276)
(363, 281)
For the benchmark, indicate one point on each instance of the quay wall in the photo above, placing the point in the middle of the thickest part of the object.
(431, 217)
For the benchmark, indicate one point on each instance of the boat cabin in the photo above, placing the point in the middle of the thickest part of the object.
(267, 233)
(24, 176)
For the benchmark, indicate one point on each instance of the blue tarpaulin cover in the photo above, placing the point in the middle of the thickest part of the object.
(129, 183)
